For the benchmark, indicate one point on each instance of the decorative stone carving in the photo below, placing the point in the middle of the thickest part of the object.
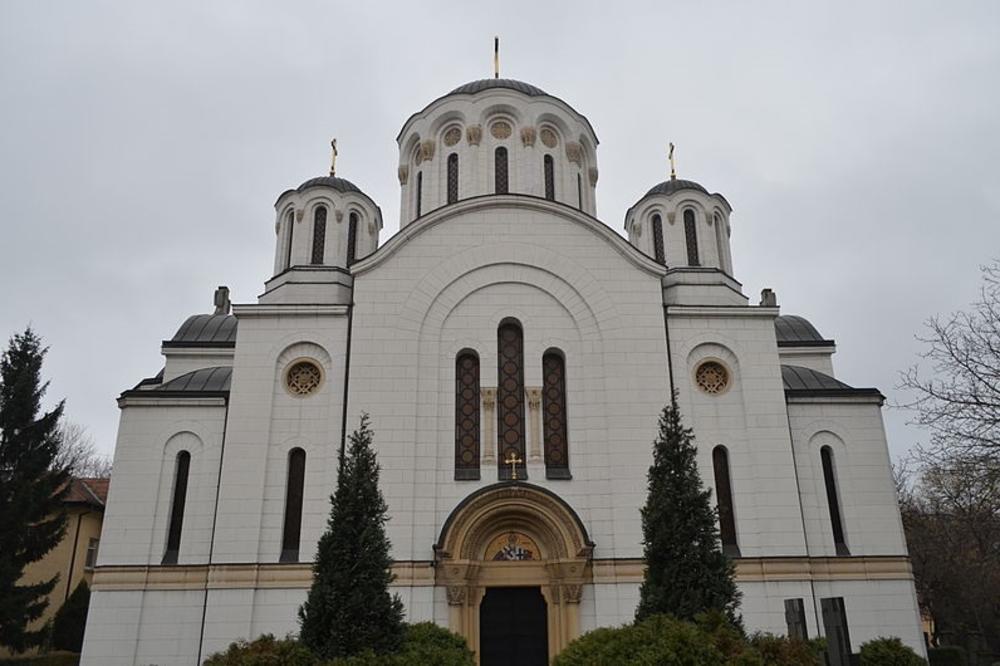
(549, 137)
(670, 217)
(637, 228)
(299, 214)
(371, 228)
(456, 595)
(452, 136)
(277, 228)
(574, 152)
(404, 174)
(339, 214)
(474, 134)
(592, 172)
(534, 397)
(489, 398)
(571, 593)
(528, 136)
(501, 129)
(427, 150)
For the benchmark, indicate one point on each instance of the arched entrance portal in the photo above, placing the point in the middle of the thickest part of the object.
(507, 536)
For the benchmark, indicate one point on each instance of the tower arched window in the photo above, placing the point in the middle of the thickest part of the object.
(579, 191)
(500, 177)
(658, 239)
(319, 235)
(720, 241)
(352, 237)
(833, 500)
(420, 187)
(453, 178)
(724, 501)
(466, 416)
(182, 467)
(290, 223)
(294, 492)
(554, 415)
(691, 236)
(549, 169)
(510, 398)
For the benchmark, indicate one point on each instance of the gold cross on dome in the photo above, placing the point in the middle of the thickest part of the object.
(673, 165)
(513, 460)
(333, 157)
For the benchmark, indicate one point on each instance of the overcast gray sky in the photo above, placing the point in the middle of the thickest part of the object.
(142, 147)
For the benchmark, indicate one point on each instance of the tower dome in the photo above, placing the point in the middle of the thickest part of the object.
(496, 136)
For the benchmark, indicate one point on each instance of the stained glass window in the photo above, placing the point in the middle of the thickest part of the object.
(554, 416)
(453, 178)
(290, 223)
(466, 416)
(833, 501)
(724, 500)
(550, 178)
(658, 239)
(352, 238)
(179, 499)
(510, 398)
(294, 488)
(691, 236)
(319, 234)
(500, 170)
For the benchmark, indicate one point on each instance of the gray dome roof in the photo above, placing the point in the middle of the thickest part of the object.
(341, 184)
(675, 185)
(472, 87)
(215, 380)
(792, 330)
(205, 329)
(797, 378)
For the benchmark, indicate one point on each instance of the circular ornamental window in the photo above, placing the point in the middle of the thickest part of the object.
(712, 377)
(303, 378)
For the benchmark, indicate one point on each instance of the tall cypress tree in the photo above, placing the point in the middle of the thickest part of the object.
(686, 570)
(32, 520)
(349, 609)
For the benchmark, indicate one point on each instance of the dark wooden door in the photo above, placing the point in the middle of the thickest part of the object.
(513, 628)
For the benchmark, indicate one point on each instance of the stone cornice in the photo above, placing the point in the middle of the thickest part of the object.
(293, 310)
(722, 311)
(164, 399)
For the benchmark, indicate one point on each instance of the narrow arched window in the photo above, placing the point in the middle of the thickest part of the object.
(724, 501)
(352, 237)
(288, 246)
(579, 191)
(658, 239)
(500, 178)
(833, 501)
(420, 187)
(453, 178)
(319, 234)
(691, 236)
(550, 178)
(510, 398)
(294, 491)
(466, 416)
(554, 415)
(182, 467)
(720, 242)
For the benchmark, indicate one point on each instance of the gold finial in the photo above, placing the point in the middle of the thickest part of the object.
(333, 157)
(496, 57)
(673, 165)
(513, 460)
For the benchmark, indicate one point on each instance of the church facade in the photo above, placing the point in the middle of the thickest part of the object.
(514, 353)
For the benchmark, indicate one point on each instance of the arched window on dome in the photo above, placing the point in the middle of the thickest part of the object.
(720, 242)
(182, 466)
(467, 450)
(833, 500)
(290, 223)
(579, 191)
(420, 187)
(352, 237)
(556, 441)
(500, 177)
(724, 501)
(691, 236)
(510, 398)
(658, 251)
(319, 234)
(550, 177)
(294, 491)
(453, 178)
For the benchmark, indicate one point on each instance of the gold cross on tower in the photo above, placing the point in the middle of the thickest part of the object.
(673, 165)
(513, 460)
(333, 157)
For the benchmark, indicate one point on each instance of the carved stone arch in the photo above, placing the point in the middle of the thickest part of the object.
(445, 120)
(494, 112)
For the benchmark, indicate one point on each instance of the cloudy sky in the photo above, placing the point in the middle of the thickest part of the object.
(142, 147)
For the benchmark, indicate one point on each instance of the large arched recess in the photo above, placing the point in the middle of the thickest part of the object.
(560, 568)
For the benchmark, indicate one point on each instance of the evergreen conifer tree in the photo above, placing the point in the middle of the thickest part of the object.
(71, 619)
(686, 570)
(349, 609)
(32, 520)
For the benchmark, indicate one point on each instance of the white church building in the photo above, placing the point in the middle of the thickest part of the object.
(514, 353)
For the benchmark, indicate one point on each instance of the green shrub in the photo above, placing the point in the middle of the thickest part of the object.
(264, 651)
(889, 652)
(48, 659)
(785, 651)
(950, 655)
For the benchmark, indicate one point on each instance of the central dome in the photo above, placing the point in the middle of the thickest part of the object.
(485, 84)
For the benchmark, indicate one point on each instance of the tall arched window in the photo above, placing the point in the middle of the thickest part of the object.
(550, 178)
(724, 501)
(658, 239)
(294, 492)
(579, 191)
(420, 187)
(500, 177)
(466, 416)
(453, 178)
(833, 501)
(510, 398)
(691, 236)
(182, 467)
(352, 237)
(554, 415)
(720, 241)
(319, 234)
(288, 235)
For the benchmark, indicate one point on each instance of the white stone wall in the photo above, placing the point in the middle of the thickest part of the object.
(182, 361)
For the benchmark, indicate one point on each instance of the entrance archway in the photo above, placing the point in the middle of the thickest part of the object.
(514, 535)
